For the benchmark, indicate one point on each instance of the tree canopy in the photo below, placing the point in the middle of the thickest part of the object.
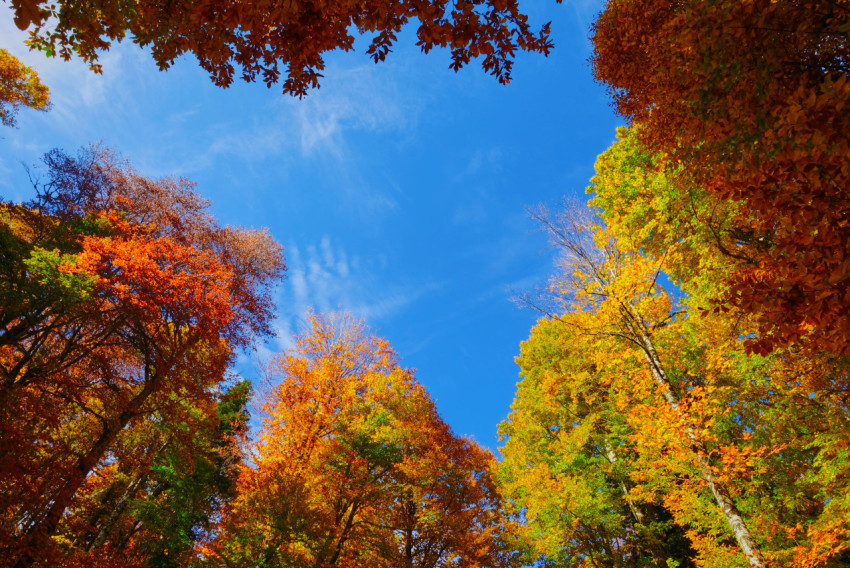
(684, 401)
(123, 303)
(353, 467)
(281, 41)
(748, 100)
(19, 86)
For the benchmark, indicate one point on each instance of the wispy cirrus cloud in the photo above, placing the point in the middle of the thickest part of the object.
(364, 98)
(327, 126)
(324, 277)
(331, 133)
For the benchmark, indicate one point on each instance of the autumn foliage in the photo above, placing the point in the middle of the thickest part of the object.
(353, 467)
(684, 402)
(643, 430)
(282, 41)
(691, 386)
(749, 99)
(124, 442)
(123, 301)
(19, 86)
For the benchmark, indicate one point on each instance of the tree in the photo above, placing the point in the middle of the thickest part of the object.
(621, 291)
(694, 422)
(568, 459)
(169, 477)
(793, 400)
(121, 297)
(749, 100)
(19, 86)
(647, 206)
(353, 467)
(266, 40)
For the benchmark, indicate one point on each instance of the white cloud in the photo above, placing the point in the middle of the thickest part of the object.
(321, 277)
(489, 161)
(332, 130)
(363, 98)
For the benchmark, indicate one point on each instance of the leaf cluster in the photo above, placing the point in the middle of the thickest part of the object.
(281, 41)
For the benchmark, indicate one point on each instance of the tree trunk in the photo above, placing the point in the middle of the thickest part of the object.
(721, 493)
(45, 525)
(658, 555)
(349, 523)
(612, 458)
(106, 528)
(410, 519)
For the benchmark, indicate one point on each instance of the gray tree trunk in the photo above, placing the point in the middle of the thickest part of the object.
(658, 555)
(721, 493)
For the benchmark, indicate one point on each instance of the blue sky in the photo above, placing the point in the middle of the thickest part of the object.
(398, 190)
